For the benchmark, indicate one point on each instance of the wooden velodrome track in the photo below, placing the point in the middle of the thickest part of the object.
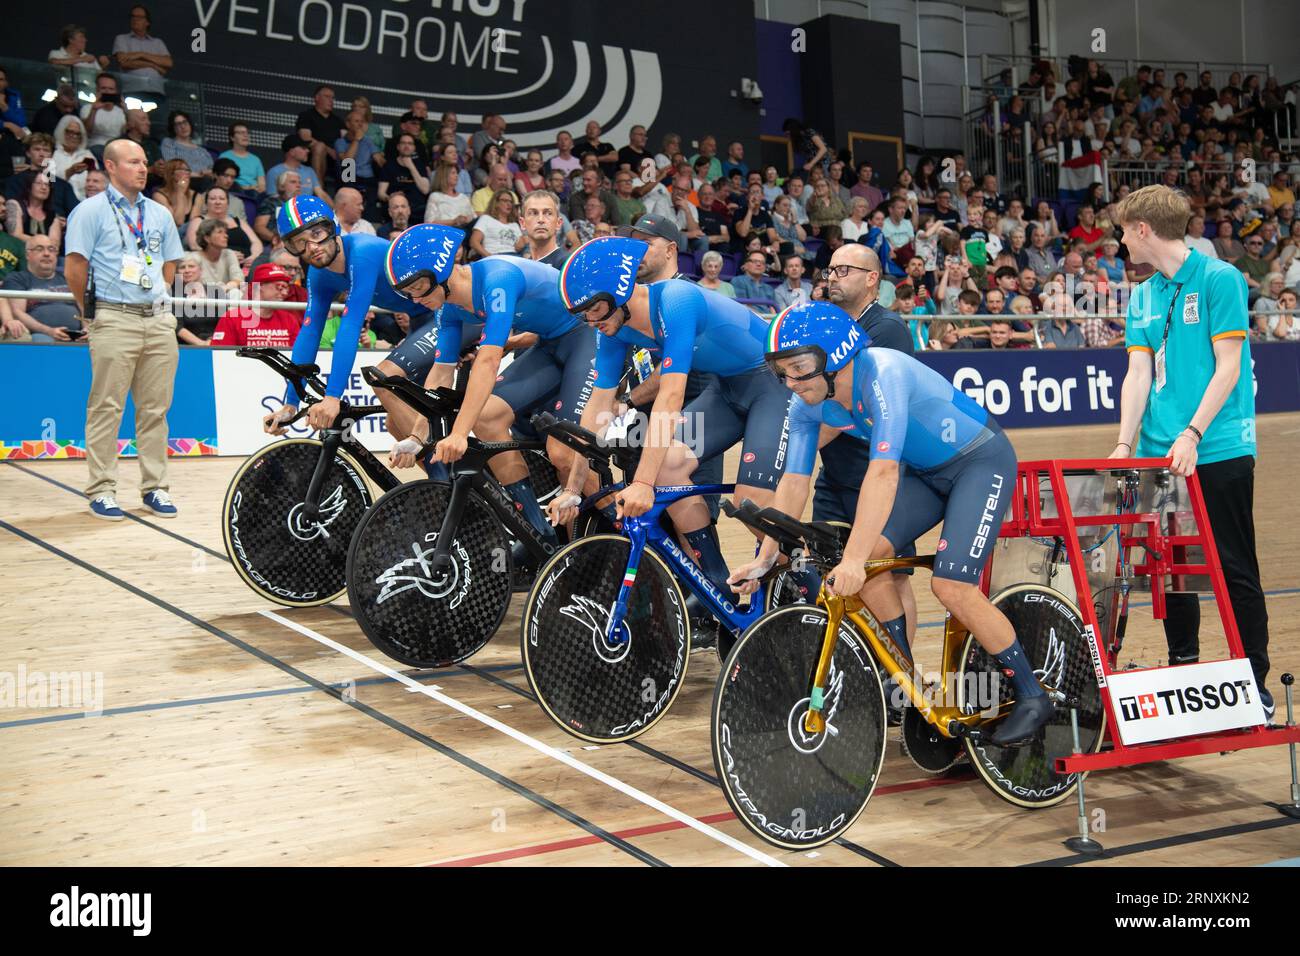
(230, 735)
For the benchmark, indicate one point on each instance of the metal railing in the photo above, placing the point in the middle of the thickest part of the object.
(39, 83)
(992, 65)
(234, 299)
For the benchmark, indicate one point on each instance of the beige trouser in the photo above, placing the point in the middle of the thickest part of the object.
(136, 354)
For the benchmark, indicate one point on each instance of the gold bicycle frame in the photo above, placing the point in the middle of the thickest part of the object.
(942, 717)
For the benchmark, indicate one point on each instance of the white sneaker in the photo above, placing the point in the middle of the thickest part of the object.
(105, 506)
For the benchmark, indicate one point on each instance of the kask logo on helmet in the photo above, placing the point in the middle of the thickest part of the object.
(627, 269)
(842, 350)
(443, 258)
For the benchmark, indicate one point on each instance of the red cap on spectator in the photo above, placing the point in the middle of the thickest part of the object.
(270, 272)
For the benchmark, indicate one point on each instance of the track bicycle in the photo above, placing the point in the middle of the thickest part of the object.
(799, 720)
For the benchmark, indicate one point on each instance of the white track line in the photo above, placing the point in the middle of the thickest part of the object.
(611, 782)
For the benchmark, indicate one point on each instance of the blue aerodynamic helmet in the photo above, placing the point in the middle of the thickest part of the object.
(423, 251)
(301, 213)
(603, 268)
(818, 329)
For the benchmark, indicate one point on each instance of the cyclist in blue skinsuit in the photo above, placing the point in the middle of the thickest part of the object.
(695, 329)
(352, 264)
(961, 470)
(507, 294)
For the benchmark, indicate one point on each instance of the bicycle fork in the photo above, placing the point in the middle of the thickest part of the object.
(330, 442)
(615, 634)
(813, 721)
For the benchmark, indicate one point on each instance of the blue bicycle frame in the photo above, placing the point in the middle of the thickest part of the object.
(646, 532)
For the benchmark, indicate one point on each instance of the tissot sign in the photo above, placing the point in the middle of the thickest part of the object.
(545, 65)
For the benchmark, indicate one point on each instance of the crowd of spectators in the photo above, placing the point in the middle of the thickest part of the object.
(967, 262)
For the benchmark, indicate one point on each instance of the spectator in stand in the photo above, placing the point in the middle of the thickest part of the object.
(218, 264)
(451, 156)
(685, 216)
(410, 124)
(590, 187)
(564, 160)
(498, 181)
(241, 238)
(320, 129)
(48, 116)
(711, 266)
(943, 335)
(286, 187)
(864, 188)
(399, 217)
(634, 153)
(13, 255)
(1195, 238)
(1252, 265)
(771, 185)
(1087, 230)
(251, 174)
(71, 158)
(606, 155)
(627, 208)
(73, 53)
(497, 231)
(735, 161)
(713, 218)
(179, 144)
(1059, 332)
(790, 236)
(105, 118)
(749, 283)
(492, 133)
(356, 146)
(406, 174)
(349, 206)
(296, 151)
(140, 132)
(795, 290)
(709, 151)
(583, 229)
(145, 61)
(374, 132)
(1226, 244)
(753, 217)
(825, 209)
(1109, 261)
(256, 325)
(670, 147)
(855, 225)
(34, 212)
(944, 211)
(177, 194)
(448, 206)
(1280, 192)
(558, 184)
(45, 321)
(898, 230)
(1285, 324)
(809, 149)
(531, 178)
(797, 191)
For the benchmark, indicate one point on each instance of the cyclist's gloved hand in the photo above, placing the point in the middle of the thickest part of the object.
(745, 578)
(404, 452)
(564, 508)
(274, 423)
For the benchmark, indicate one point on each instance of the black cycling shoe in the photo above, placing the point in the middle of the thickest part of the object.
(1026, 718)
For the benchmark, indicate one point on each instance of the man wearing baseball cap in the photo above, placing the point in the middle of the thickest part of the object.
(665, 241)
(296, 150)
(260, 325)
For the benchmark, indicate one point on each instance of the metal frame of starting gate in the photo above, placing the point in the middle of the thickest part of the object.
(1165, 559)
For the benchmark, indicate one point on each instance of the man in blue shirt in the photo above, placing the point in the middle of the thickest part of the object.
(130, 246)
(749, 284)
(961, 470)
(1189, 386)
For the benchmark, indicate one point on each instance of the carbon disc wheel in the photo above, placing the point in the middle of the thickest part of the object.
(598, 689)
(1056, 641)
(410, 611)
(277, 551)
(795, 789)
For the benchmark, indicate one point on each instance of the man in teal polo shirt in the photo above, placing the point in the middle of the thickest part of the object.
(1189, 385)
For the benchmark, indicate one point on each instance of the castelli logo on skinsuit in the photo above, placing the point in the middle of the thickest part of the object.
(842, 350)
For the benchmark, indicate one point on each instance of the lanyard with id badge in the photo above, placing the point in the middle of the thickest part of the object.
(134, 267)
(1164, 340)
